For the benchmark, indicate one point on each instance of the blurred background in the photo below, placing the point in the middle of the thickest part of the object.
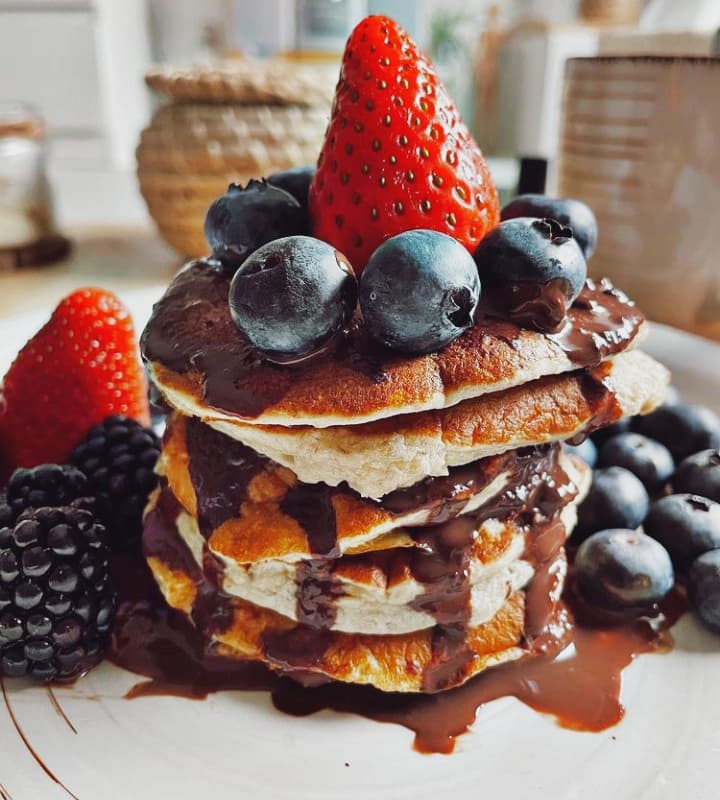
(120, 121)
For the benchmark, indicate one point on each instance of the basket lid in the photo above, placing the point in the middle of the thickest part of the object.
(247, 81)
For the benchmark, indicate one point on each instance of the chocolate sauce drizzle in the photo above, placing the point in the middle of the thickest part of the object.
(191, 331)
(221, 469)
(539, 489)
(212, 608)
(311, 506)
(581, 692)
(600, 323)
(441, 561)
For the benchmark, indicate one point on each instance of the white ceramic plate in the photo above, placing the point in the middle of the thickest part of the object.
(238, 745)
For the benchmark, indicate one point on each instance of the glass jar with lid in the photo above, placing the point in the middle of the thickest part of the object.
(27, 226)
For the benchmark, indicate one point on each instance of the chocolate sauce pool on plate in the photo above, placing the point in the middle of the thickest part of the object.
(581, 691)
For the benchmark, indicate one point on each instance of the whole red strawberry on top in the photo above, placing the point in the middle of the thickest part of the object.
(396, 156)
(79, 368)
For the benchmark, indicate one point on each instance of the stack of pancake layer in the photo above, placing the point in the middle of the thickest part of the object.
(372, 518)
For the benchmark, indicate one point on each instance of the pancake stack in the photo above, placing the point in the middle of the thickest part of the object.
(372, 518)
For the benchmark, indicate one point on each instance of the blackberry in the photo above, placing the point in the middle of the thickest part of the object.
(57, 601)
(118, 457)
(46, 485)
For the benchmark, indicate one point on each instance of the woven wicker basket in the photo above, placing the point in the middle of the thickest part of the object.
(225, 125)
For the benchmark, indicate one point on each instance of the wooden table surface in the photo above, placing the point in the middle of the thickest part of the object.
(112, 258)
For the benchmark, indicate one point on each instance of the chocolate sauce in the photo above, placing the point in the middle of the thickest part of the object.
(581, 692)
(445, 496)
(600, 323)
(317, 594)
(211, 609)
(604, 405)
(450, 661)
(191, 331)
(362, 354)
(441, 561)
(542, 595)
(541, 306)
(310, 505)
(153, 640)
(296, 651)
(539, 489)
(161, 542)
(221, 469)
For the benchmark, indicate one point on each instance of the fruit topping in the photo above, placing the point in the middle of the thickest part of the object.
(623, 570)
(118, 457)
(419, 291)
(396, 155)
(56, 598)
(586, 450)
(684, 428)
(699, 474)
(291, 296)
(672, 396)
(531, 271)
(704, 588)
(80, 367)
(686, 524)
(609, 431)
(648, 460)
(616, 499)
(574, 214)
(294, 181)
(48, 485)
(245, 218)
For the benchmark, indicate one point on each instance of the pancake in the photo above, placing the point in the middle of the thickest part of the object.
(205, 367)
(374, 593)
(386, 592)
(377, 458)
(251, 509)
(427, 660)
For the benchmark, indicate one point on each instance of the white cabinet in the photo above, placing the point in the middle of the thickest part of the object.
(82, 65)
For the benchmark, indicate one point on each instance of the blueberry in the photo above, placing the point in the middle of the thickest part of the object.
(686, 524)
(601, 435)
(672, 396)
(419, 291)
(295, 181)
(616, 499)
(243, 219)
(684, 428)
(621, 569)
(291, 296)
(704, 588)
(531, 271)
(586, 450)
(573, 213)
(699, 474)
(645, 458)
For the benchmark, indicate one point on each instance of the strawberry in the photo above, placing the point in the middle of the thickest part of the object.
(396, 155)
(80, 367)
